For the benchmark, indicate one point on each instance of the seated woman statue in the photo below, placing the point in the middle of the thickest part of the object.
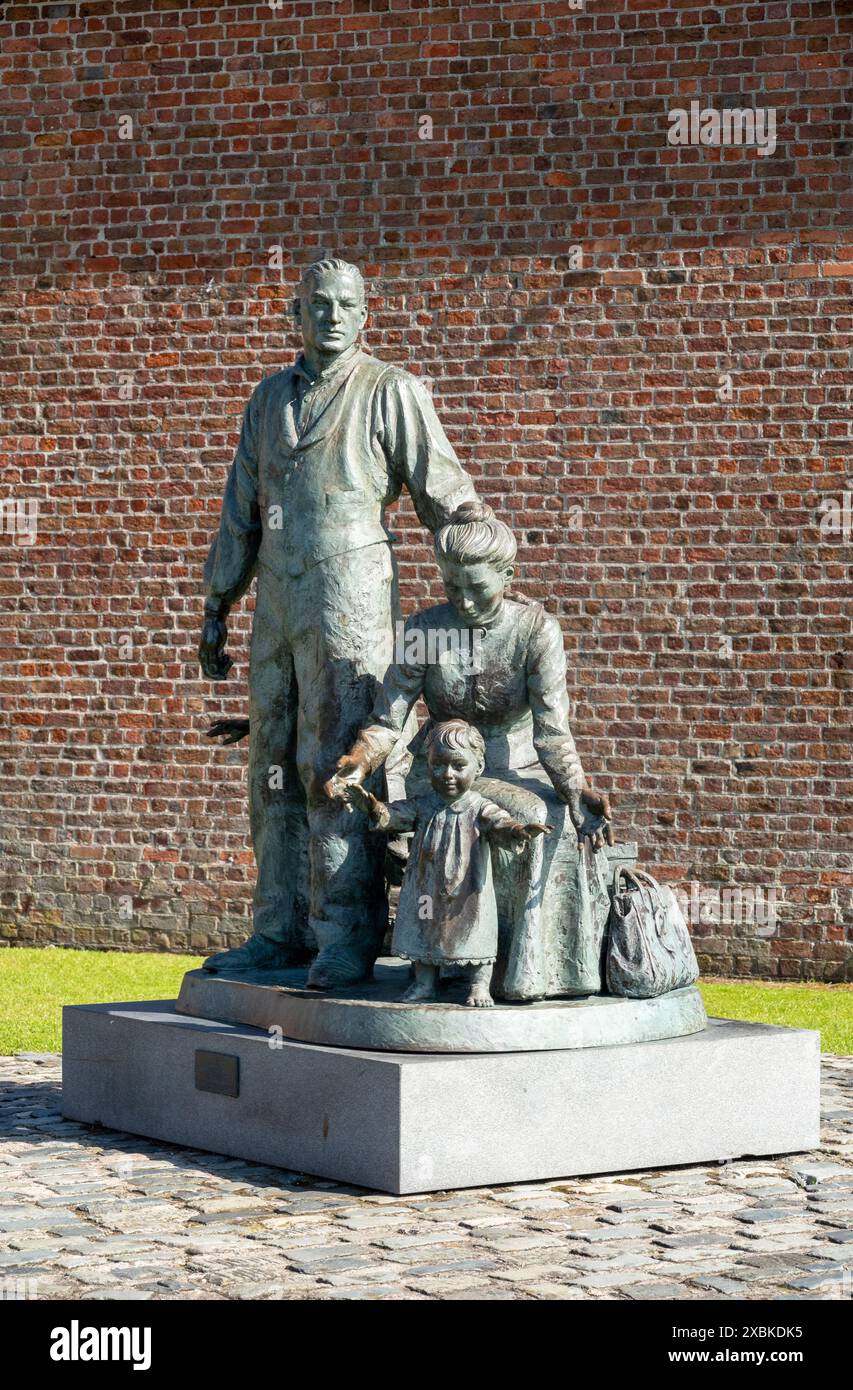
(499, 664)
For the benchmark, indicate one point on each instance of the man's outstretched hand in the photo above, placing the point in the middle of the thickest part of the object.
(214, 659)
(229, 730)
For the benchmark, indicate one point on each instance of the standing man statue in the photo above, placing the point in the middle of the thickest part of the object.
(326, 445)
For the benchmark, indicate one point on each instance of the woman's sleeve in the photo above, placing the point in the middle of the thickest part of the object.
(401, 688)
(549, 703)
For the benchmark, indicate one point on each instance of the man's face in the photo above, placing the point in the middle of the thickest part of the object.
(452, 771)
(332, 312)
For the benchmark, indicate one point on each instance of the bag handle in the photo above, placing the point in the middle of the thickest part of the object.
(617, 874)
(641, 873)
(641, 881)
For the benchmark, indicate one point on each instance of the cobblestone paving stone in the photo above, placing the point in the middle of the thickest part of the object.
(87, 1213)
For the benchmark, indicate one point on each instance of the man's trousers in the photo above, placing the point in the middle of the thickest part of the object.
(321, 643)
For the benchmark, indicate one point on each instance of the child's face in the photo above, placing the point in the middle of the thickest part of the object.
(452, 771)
(475, 590)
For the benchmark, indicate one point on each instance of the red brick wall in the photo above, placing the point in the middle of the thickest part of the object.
(673, 525)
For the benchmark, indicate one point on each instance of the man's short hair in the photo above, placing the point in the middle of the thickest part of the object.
(331, 265)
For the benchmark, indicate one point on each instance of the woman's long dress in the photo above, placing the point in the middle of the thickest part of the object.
(552, 901)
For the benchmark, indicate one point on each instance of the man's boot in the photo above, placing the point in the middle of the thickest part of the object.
(258, 953)
(335, 967)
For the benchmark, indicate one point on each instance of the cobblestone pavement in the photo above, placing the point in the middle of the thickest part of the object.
(87, 1213)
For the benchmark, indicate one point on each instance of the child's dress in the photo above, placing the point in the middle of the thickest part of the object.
(447, 912)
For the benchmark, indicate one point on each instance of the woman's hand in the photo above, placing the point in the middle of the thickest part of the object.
(591, 817)
(350, 770)
(599, 805)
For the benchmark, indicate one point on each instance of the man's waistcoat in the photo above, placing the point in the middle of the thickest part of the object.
(323, 479)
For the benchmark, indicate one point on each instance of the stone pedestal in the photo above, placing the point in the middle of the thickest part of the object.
(413, 1122)
(371, 1015)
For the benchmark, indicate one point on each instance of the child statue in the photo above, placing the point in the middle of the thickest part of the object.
(447, 913)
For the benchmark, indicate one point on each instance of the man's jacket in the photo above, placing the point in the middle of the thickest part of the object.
(319, 460)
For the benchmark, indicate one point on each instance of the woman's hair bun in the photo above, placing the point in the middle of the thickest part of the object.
(474, 535)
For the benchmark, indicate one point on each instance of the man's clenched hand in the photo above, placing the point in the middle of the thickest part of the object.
(214, 659)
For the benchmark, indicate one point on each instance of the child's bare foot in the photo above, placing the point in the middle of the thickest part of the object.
(479, 997)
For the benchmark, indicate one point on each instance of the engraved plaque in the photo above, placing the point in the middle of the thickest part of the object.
(218, 1072)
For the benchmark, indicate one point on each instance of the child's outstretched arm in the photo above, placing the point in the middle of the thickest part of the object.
(503, 830)
(395, 817)
(515, 834)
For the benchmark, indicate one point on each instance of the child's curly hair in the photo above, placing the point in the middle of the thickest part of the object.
(457, 734)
